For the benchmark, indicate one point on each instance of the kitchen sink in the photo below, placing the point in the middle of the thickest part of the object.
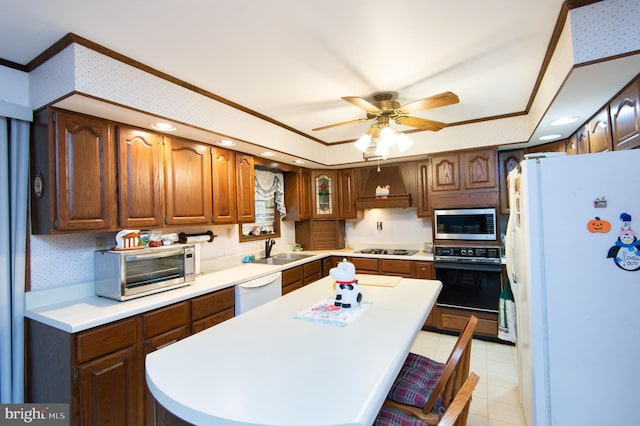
(282, 258)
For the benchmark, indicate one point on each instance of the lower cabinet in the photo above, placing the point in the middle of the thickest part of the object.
(298, 276)
(450, 319)
(100, 371)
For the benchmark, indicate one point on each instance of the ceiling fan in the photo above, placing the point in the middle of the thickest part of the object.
(384, 107)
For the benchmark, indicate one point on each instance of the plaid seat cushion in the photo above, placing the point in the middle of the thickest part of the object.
(417, 378)
(392, 417)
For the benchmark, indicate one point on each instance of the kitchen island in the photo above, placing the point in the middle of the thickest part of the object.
(266, 367)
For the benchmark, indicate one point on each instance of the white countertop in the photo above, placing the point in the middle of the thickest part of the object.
(265, 368)
(76, 308)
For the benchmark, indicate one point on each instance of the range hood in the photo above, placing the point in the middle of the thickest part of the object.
(388, 176)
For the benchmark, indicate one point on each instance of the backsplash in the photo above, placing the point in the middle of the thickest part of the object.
(62, 260)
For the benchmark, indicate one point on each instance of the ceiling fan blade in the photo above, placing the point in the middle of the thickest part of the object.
(420, 123)
(435, 101)
(361, 103)
(344, 123)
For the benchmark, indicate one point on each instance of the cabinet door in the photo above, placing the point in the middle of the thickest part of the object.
(224, 186)
(187, 183)
(306, 203)
(324, 194)
(625, 118)
(346, 194)
(423, 270)
(507, 161)
(479, 169)
(140, 178)
(445, 172)
(423, 209)
(402, 268)
(86, 181)
(246, 203)
(600, 132)
(297, 194)
(110, 390)
(582, 140)
(291, 279)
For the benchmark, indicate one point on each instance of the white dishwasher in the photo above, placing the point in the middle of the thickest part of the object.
(251, 294)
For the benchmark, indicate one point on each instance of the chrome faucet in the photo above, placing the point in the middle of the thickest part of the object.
(268, 244)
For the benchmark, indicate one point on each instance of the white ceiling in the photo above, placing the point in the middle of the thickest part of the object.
(292, 60)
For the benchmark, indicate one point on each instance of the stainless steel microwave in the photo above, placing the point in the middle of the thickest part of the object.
(126, 274)
(465, 224)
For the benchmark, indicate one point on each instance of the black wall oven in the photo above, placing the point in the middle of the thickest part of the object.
(471, 277)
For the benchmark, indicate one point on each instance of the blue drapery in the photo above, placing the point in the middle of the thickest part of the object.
(14, 192)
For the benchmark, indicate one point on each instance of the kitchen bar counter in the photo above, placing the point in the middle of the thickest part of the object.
(76, 308)
(265, 368)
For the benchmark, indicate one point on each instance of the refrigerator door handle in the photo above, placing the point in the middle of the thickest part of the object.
(510, 250)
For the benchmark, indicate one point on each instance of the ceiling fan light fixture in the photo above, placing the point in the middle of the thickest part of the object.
(363, 143)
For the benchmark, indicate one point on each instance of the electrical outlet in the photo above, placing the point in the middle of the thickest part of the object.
(379, 226)
(101, 243)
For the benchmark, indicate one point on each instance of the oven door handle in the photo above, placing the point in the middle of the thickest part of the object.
(468, 266)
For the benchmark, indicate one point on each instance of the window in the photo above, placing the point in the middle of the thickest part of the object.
(269, 203)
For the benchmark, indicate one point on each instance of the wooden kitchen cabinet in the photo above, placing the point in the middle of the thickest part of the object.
(464, 179)
(582, 140)
(98, 371)
(600, 132)
(507, 161)
(73, 173)
(365, 265)
(223, 178)
(347, 194)
(140, 178)
(311, 271)
(455, 320)
(324, 194)
(291, 279)
(423, 270)
(212, 309)
(297, 194)
(320, 234)
(423, 207)
(401, 268)
(161, 328)
(188, 195)
(245, 185)
(625, 117)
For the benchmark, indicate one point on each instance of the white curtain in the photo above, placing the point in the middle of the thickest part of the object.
(269, 183)
(14, 192)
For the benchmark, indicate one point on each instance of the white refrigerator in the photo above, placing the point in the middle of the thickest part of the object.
(573, 259)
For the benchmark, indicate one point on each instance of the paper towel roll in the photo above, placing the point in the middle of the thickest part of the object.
(198, 239)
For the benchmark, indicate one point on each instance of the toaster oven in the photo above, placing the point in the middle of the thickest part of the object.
(126, 274)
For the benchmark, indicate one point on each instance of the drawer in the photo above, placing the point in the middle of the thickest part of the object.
(212, 303)
(210, 321)
(364, 264)
(402, 268)
(165, 319)
(312, 268)
(292, 275)
(105, 339)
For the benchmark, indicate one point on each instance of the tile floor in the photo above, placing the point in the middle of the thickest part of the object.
(496, 400)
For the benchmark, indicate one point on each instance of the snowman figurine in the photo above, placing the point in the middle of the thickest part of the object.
(347, 292)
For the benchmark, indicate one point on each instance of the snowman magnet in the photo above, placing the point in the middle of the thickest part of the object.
(626, 251)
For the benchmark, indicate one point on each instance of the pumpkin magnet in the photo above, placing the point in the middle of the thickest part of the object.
(598, 225)
(626, 251)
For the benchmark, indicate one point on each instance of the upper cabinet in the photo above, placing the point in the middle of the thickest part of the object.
(625, 117)
(245, 184)
(600, 132)
(472, 172)
(507, 161)
(223, 169)
(297, 194)
(188, 195)
(140, 178)
(347, 194)
(423, 206)
(324, 194)
(73, 173)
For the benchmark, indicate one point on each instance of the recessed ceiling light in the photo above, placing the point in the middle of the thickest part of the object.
(226, 142)
(550, 137)
(298, 161)
(564, 120)
(268, 154)
(164, 127)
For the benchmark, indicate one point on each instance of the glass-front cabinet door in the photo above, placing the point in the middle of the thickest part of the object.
(324, 194)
